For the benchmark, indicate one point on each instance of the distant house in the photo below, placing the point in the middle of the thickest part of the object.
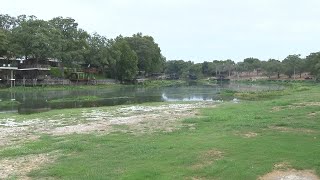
(157, 76)
(173, 76)
(90, 68)
(33, 69)
(54, 62)
(8, 69)
(16, 68)
(86, 73)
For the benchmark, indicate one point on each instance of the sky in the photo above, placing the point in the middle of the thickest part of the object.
(196, 30)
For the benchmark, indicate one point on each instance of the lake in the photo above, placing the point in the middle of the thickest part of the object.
(38, 101)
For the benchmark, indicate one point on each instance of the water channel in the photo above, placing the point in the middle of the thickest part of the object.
(37, 101)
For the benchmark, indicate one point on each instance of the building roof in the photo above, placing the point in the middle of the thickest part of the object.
(9, 68)
(30, 69)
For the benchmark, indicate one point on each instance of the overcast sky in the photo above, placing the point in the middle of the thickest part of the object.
(197, 30)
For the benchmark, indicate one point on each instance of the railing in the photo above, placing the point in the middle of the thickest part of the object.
(104, 81)
(35, 66)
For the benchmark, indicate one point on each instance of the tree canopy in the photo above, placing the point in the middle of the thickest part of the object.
(61, 38)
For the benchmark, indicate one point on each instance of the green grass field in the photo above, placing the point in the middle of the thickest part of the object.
(232, 141)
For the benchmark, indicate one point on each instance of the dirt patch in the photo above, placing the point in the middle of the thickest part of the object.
(15, 135)
(19, 167)
(207, 158)
(290, 175)
(289, 129)
(282, 166)
(277, 108)
(307, 104)
(294, 106)
(247, 134)
(196, 178)
(137, 119)
(312, 114)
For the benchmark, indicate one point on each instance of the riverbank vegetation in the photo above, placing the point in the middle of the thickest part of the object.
(243, 140)
(6, 104)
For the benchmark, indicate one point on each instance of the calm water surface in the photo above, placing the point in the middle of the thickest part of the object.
(37, 101)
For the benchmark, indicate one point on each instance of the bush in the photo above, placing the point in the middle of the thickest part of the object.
(56, 72)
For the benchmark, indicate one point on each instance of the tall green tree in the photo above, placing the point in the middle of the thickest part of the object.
(252, 64)
(272, 67)
(7, 22)
(33, 38)
(240, 67)
(3, 43)
(218, 67)
(97, 53)
(71, 44)
(178, 67)
(313, 64)
(195, 70)
(229, 66)
(205, 68)
(208, 68)
(149, 55)
(126, 60)
(292, 65)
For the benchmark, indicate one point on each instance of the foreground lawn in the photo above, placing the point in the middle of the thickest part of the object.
(243, 140)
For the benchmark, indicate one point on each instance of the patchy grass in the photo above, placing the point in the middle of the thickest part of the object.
(261, 95)
(162, 83)
(7, 104)
(245, 141)
(79, 98)
(59, 87)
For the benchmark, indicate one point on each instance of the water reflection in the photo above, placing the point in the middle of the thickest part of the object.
(190, 98)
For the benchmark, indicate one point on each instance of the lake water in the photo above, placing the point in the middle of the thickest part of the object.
(37, 101)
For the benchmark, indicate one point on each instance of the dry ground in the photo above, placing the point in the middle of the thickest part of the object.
(136, 119)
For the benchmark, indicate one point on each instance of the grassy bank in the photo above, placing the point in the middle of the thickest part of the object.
(162, 83)
(232, 141)
(57, 88)
(149, 83)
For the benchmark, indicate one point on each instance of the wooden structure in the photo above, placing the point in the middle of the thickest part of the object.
(7, 75)
(78, 76)
(33, 69)
(172, 76)
(8, 69)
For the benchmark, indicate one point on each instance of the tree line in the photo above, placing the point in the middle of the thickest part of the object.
(124, 58)
(292, 66)
(61, 38)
